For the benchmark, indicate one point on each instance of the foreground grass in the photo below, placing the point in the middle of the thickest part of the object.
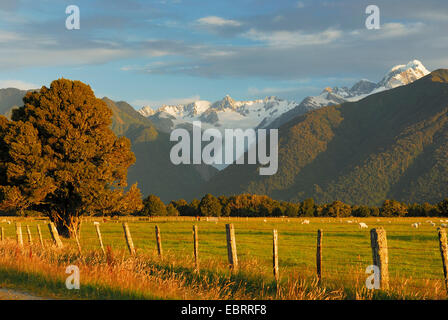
(116, 276)
(415, 263)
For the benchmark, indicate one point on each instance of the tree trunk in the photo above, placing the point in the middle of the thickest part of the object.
(67, 227)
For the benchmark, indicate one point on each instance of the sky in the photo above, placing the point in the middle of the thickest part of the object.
(176, 51)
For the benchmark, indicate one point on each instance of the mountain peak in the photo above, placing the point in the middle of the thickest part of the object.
(226, 103)
(404, 74)
(147, 111)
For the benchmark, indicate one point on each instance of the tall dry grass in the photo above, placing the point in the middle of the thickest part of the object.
(120, 276)
(117, 275)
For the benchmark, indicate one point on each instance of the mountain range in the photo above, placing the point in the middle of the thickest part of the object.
(272, 112)
(360, 145)
(389, 145)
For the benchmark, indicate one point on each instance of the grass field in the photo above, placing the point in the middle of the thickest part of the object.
(415, 264)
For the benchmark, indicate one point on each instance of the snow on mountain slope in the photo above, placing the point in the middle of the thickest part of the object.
(223, 114)
(397, 76)
(147, 111)
(403, 74)
(272, 112)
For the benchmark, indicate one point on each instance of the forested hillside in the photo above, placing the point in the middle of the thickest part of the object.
(391, 145)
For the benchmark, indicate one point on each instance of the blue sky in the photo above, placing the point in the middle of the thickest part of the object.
(176, 51)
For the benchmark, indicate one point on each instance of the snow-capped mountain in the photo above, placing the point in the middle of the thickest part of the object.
(223, 114)
(272, 112)
(147, 111)
(397, 76)
(403, 74)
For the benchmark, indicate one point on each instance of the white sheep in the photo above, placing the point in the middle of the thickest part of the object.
(415, 225)
(362, 225)
(444, 225)
(306, 222)
(349, 221)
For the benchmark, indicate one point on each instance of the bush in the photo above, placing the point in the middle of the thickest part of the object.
(210, 206)
(153, 206)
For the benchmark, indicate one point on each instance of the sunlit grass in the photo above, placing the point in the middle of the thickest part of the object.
(415, 263)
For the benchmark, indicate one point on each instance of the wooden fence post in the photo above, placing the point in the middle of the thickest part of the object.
(231, 247)
(159, 241)
(100, 239)
(19, 234)
(275, 255)
(378, 241)
(128, 237)
(55, 235)
(40, 236)
(30, 238)
(3, 234)
(320, 234)
(195, 247)
(443, 252)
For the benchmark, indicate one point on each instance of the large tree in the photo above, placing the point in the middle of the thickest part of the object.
(59, 156)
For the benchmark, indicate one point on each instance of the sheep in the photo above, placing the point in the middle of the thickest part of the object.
(433, 224)
(264, 220)
(444, 225)
(306, 222)
(415, 225)
(349, 221)
(362, 225)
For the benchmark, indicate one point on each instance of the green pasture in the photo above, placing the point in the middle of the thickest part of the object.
(413, 253)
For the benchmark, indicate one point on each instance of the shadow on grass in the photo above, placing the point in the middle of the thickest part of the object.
(47, 287)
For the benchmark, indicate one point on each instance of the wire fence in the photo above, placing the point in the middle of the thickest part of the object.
(412, 253)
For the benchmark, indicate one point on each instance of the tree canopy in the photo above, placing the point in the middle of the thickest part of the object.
(59, 156)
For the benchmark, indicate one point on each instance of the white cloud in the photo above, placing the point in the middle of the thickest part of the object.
(288, 39)
(6, 36)
(300, 5)
(158, 103)
(218, 22)
(22, 85)
(390, 31)
(14, 57)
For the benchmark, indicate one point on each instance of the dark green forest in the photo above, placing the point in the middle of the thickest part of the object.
(390, 145)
